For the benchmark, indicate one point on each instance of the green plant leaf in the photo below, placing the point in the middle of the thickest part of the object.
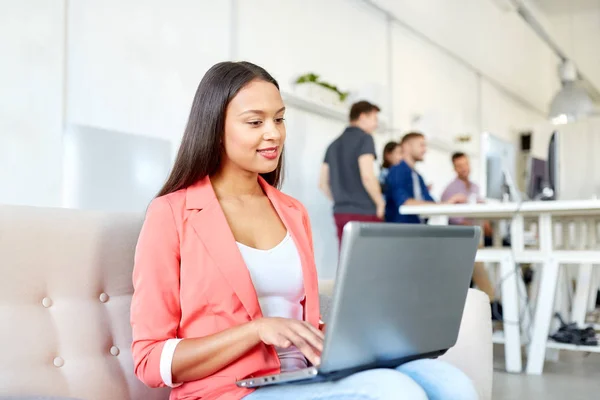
(309, 77)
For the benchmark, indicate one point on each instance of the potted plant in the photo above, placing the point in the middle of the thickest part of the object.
(311, 86)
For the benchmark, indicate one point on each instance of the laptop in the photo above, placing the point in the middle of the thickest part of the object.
(399, 296)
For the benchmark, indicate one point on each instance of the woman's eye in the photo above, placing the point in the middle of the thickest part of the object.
(255, 123)
(279, 120)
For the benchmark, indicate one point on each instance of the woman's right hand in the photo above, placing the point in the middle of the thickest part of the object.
(285, 332)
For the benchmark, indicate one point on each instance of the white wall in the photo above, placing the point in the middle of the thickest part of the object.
(432, 85)
(133, 67)
(344, 42)
(31, 101)
(503, 117)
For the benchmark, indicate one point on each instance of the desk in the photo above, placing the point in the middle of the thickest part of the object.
(547, 212)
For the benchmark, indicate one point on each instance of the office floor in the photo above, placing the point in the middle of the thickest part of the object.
(573, 377)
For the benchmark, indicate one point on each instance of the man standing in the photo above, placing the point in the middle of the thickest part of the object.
(348, 175)
(405, 186)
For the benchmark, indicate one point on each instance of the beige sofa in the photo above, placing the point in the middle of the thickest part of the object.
(65, 291)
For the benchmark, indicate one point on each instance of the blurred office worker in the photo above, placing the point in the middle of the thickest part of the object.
(463, 185)
(348, 174)
(405, 186)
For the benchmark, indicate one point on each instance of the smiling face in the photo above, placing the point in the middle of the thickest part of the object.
(254, 129)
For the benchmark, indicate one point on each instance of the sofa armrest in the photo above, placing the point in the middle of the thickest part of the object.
(473, 352)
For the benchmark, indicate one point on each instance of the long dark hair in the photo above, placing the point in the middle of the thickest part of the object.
(201, 148)
(389, 147)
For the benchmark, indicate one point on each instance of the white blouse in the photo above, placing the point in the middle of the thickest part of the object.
(277, 278)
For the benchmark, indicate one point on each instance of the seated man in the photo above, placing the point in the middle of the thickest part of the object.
(405, 186)
(463, 185)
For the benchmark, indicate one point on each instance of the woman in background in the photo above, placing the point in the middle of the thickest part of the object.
(225, 283)
(392, 155)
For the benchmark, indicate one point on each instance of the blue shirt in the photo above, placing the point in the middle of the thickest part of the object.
(399, 189)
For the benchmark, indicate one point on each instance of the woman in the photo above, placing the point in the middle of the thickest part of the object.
(392, 155)
(225, 279)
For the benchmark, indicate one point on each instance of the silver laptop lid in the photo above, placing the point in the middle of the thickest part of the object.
(400, 292)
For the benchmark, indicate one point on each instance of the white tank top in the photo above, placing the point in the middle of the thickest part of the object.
(277, 278)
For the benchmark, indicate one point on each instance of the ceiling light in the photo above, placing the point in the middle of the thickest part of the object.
(573, 101)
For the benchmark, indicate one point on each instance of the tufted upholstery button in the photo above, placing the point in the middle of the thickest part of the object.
(103, 297)
(47, 302)
(59, 362)
(114, 350)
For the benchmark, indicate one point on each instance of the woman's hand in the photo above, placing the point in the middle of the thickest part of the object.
(285, 332)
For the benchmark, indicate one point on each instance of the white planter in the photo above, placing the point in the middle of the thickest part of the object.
(317, 93)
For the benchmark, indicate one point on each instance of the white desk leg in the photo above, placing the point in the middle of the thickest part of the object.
(545, 300)
(564, 289)
(510, 307)
(561, 306)
(543, 316)
(587, 239)
(517, 233)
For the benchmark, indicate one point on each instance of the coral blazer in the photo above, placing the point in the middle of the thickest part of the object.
(190, 281)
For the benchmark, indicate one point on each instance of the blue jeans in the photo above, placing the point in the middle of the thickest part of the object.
(417, 380)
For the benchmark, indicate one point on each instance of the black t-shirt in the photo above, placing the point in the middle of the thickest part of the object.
(349, 194)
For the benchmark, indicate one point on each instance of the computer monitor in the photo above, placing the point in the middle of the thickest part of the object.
(494, 178)
(499, 164)
(500, 183)
(552, 168)
(537, 177)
